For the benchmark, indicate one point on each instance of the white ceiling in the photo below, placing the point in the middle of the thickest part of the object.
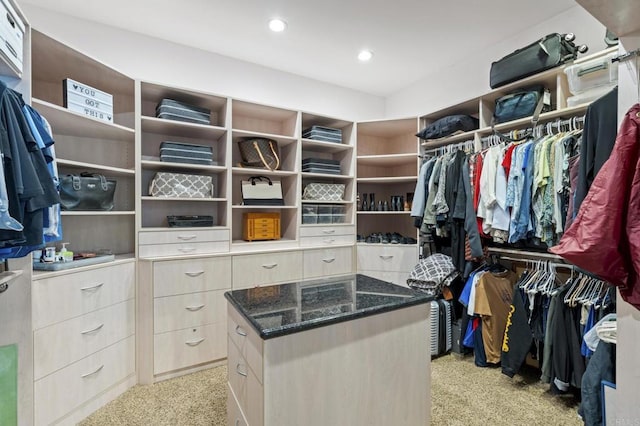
(409, 38)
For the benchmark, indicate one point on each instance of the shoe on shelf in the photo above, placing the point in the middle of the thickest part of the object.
(410, 240)
(396, 238)
(360, 238)
(385, 238)
(373, 238)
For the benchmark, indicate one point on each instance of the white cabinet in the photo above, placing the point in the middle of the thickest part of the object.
(182, 242)
(181, 315)
(328, 261)
(266, 268)
(326, 236)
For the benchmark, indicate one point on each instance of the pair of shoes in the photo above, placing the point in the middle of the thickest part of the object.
(408, 240)
(360, 238)
(374, 238)
(396, 238)
(385, 238)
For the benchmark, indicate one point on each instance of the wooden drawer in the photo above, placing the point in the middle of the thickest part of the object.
(399, 278)
(188, 310)
(59, 393)
(181, 249)
(173, 277)
(246, 387)
(70, 295)
(387, 258)
(183, 236)
(247, 341)
(327, 231)
(189, 347)
(235, 416)
(269, 268)
(324, 262)
(329, 240)
(66, 342)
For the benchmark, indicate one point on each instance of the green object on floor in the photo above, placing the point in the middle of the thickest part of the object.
(9, 385)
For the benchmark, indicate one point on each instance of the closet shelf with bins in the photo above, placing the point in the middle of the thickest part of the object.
(87, 144)
(155, 210)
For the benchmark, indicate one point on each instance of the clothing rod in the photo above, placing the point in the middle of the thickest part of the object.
(626, 56)
(521, 259)
(556, 123)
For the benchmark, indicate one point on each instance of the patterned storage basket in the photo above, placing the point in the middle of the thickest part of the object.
(323, 191)
(178, 185)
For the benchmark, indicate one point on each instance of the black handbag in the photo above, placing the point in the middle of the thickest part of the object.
(259, 152)
(448, 125)
(86, 191)
(550, 51)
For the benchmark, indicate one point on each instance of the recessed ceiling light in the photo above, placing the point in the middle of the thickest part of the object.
(365, 55)
(277, 25)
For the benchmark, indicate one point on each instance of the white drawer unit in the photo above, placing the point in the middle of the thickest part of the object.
(327, 241)
(61, 344)
(246, 388)
(387, 258)
(189, 347)
(59, 393)
(326, 262)
(188, 310)
(182, 242)
(322, 236)
(247, 341)
(70, 295)
(235, 416)
(267, 268)
(172, 277)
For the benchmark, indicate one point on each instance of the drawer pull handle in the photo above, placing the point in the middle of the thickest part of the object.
(237, 422)
(386, 257)
(328, 231)
(195, 342)
(329, 240)
(194, 308)
(242, 373)
(93, 287)
(186, 237)
(240, 331)
(269, 265)
(93, 329)
(187, 249)
(194, 274)
(329, 260)
(93, 372)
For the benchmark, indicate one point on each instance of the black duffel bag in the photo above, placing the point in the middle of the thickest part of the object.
(549, 52)
(447, 126)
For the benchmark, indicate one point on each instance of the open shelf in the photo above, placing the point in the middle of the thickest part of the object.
(62, 163)
(181, 128)
(391, 160)
(181, 200)
(281, 139)
(98, 213)
(388, 179)
(332, 147)
(160, 165)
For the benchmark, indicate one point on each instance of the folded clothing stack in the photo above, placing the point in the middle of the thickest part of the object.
(324, 134)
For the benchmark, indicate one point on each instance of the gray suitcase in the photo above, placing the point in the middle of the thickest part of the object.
(170, 109)
(178, 152)
(325, 134)
(441, 331)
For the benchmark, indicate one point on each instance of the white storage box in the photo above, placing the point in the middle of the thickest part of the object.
(594, 73)
(12, 31)
(589, 95)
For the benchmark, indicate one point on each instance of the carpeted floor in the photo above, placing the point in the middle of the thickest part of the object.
(462, 394)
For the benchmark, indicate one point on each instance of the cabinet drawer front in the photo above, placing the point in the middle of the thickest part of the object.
(173, 277)
(387, 258)
(63, 343)
(337, 261)
(188, 310)
(67, 296)
(235, 416)
(327, 231)
(246, 387)
(183, 236)
(189, 347)
(159, 250)
(59, 393)
(247, 341)
(399, 278)
(258, 269)
(326, 241)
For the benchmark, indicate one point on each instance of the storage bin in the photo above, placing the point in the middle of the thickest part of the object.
(324, 214)
(589, 95)
(309, 214)
(324, 134)
(596, 72)
(338, 214)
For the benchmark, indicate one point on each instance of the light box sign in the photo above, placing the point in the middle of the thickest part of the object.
(87, 100)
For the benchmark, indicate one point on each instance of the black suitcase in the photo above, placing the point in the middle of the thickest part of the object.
(321, 165)
(550, 51)
(441, 330)
(170, 109)
(324, 134)
(178, 152)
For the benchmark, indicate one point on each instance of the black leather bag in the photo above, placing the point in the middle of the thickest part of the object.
(550, 51)
(87, 191)
(448, 125)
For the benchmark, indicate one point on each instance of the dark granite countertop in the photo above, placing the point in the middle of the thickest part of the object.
(282, 309)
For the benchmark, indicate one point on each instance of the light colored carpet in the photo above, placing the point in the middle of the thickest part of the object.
(462, 394)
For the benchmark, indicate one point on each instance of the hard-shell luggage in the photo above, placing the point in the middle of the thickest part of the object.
(441, 330)
(550, 51)
(321, 165)
(170, 109)
(325, 134)
(178, 152)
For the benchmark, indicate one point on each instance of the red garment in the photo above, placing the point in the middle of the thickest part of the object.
(476, 190)
(604, 239)
(506, 162)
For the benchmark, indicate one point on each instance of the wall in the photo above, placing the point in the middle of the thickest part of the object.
(469, 78)
(156, 60)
